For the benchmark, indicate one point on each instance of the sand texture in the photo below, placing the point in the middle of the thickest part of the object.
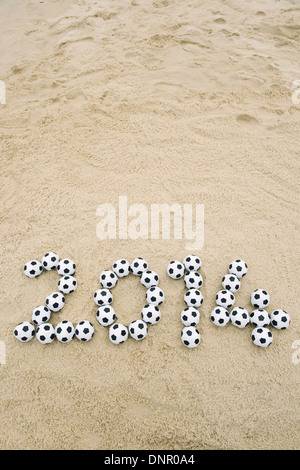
(162, 102)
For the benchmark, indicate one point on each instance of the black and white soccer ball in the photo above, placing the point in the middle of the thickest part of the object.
(219, 316)
(192, 263)
(118, 333)
(84, 330)
(138, 266)
(33, 268)
(151, 314)
(260, 317)
(65, 331)
(155, 295)
(190, 316)
(175, 269)
(231, 282)
(121, 267)
(225, 298)
(45, 333)
(239, 316)
(66, 266)
(260, 298)
(280, 319)
(24, 331)
(67, 284)
(106, 315)
(193, 279)
(239, 268)
(190, 337)
(50, 261)
(138, 330)
(108, 279)
(193, 298)
(149, 278)
(103, 297)
(55, 301)
(40, 314)
(262, 336)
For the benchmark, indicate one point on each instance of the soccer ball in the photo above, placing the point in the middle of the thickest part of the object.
(260, 317)
(66, 266)
(108, 279)
(280, 319)
(67, 284)
(155, 296)
(103, 297)
(138, 329)
(40, 314)
(45, 333)
(239, 317)
(121, 267)
(225, 298)
(192, 263)
(260, 298)
(231, 282)
(193, 279)
(118, 333)
(65, 331)
(193, 298)
(239, 268)
(219, 316)
(190, 336)
(262, 336)
(33, 268)
(106, 315)
(190, 316)
(138, 266)
(151, 314)
(84, 330)
(24, 331)
(149, 278)
(175, 269)
(50, 261)
(55, 301)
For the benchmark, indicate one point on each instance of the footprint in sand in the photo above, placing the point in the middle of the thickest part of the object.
(247, 120)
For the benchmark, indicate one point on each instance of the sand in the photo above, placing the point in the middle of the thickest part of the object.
(162, 102)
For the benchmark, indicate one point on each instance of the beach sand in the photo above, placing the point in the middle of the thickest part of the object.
(162, 102)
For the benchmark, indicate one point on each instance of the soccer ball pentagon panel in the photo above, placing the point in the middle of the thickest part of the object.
(175, 269)
(84, 330)
(225, 298)
(33, 268)
(239, 317)
(64, 331)
(190, 316)
(103, 297)
(45, 333)
(155, 295)
(190, 336)
(219, 316)
(55, 301)
(66, 266)
(260, 317)
(108, 279)
(118, 333)
(193, 298)
(67, 284)
(231, 282)
(40, 314)
(260, 298)
(151, 314)
(106, 315)
(138, 329)
(192, 263)
(262, 336)
(149, 278)
(121, 267)
(239, 268)
(193, 279)
(24, 331)
(280, 319)
(50, 261)
(138, 266)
